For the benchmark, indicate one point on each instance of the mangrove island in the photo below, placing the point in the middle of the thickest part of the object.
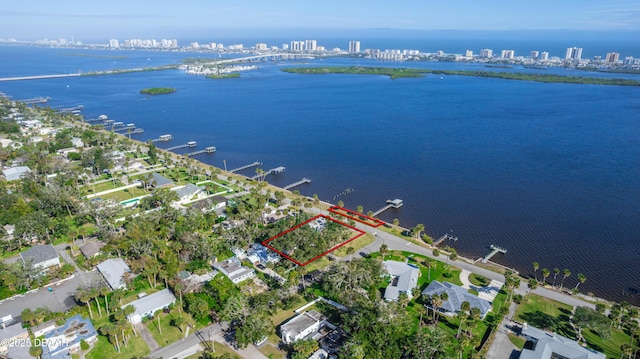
(157, 90)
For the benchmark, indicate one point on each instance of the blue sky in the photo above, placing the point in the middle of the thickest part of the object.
(160, 18)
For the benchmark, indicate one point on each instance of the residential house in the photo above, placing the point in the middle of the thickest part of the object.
(113, 270)
(301, 326)
(545, 345)
(159, 181)
(15, 173)
(63, 341)
(261, 254)
(456, 295)
(404, 277)
(77, 142)
(234, 271)
(43, 328)
(148, 305)
(41, 256)
(91, 249)
(10, 333)
(189, 191)
(318, 224)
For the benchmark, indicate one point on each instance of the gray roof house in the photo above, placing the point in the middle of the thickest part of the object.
(187, 192)
(113, 271)
(66, 339)
(91, 249)
(41, 256)
(234, 271)
(457, 295)
(146, 306)
(301, 326)
(15, 173)
(9, 333)
(160, 181)
(544, 345)
(404, 277)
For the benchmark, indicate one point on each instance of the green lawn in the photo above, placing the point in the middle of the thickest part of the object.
(100, 187)
(124, 194)
(477, 279)
(223, 349)
(271, 352)
(356, 244)
(545, 313)
(285, 314)
(102, 349)
(170, 334)
(517, 341)
(611, 346)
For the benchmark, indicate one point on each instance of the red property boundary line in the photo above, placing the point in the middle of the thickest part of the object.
(266, 242)
(356, 216)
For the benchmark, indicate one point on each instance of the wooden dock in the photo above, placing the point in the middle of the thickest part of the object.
(302, 181)
(188, 144)
(494, 250)
(396, 203)
(35, 100)
(276, 170)
(256, 163)
(163, 138)
(210, 149)
(444, 238)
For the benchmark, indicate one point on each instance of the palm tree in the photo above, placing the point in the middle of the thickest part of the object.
(396, 222)
(383, 249)
(104, 291)
(418, 229)
(340, 203)
(126, 311)
(436, 301)
(82, 295)
(565, 273)
(532, 284)
(536, 265)
(428, 263)
(109, 330)
(581, 279)
(556, 271)
(94, 293)
(359, 209)
(463, 314)
(545, 273)
(422, 311)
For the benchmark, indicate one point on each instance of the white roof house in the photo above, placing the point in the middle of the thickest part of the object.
(547, 345)
(301, 326)
(186, 193)
(234, 271)
(147, 306)
(66, 339)
(113, 271)
(15, 173)
(41, 256)
(404, 277)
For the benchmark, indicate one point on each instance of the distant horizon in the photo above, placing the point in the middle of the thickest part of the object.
(118, 18)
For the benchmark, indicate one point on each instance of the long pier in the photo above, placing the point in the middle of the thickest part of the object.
(210, 149)
(494, 250)
(396, 203)
(188, 144)
(256, 163)
(71, 109)
(163, 138)
(302, 181)
(279, 169)
(444, 238)
(35, 100)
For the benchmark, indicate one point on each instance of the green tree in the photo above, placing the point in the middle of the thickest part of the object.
(588, 318)
(396, 222)
(532, 284)
(545, 273)
(565, 273)
(152, 153)
(359, 209)
(383, 250)
(254, 329)
(536, 265)
(350, 251)
(556, 271)
(340, 203)
(581, 279)
(417, 230)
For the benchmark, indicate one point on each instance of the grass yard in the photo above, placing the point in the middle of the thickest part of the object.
(272, 352)
(477, 279)
(100, 187)
(102, 349)
(609, 346)
(517, 341)
(170, 334)
(124, 194)
(356, 244)
(545, 313)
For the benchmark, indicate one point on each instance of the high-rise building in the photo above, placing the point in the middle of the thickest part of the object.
(486, 53)
(544, 56)
(354, 46)
(613, 57)
(113, 43)
(573, 53)
(507, 54)
(534, 54)
(468, 53)
(297, 45)
(261, 46)
(310, 45)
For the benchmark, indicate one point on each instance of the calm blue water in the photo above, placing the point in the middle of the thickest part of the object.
(549, 171)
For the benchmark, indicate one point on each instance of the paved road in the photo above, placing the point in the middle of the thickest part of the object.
(191, 344)
(58, 300)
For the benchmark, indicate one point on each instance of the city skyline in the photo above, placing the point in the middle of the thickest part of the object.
(99, 20)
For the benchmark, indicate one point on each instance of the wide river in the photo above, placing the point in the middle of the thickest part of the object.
(548, 171)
